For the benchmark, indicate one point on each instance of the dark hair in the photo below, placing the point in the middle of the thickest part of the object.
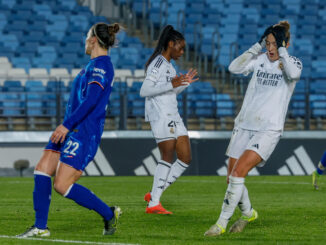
(168, 34)
(285, 26)
(105, 34)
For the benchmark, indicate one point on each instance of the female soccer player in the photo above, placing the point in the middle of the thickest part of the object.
(259, 124)
(160, 88)
(74, 143)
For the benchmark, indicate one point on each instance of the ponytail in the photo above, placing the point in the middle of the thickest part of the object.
(168, 34)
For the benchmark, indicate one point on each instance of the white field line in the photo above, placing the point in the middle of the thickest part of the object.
(250, 182)
(65, 241)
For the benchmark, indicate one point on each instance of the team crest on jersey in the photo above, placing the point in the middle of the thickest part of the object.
(172, 130)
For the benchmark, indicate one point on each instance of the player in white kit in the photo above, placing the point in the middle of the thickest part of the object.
(259, 124)
(161, 87)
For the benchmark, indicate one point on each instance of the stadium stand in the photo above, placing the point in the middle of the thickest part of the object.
(42, 46)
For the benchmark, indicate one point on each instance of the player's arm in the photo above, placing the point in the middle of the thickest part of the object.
(244, 64)
(94, 92)
(291, 66)
(152, 87)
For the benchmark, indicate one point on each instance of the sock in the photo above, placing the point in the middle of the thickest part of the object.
(84, 197)
(231, 200)
(161, 173)
(244, 203)
(176, 171)
(41, 198)
(322, 164)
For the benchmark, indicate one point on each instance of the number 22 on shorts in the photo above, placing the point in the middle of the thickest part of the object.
(71, 147)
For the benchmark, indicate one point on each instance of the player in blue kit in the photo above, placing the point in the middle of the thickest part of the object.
(74, 143)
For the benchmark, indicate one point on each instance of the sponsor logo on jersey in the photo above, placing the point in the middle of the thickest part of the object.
(99, 70)
(268, 79)
(97, 75)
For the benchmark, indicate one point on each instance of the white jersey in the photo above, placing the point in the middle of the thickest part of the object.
(270, 88)
(161, 97)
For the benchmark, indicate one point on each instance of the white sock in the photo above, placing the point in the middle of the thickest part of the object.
(231, 199)
(160, 176)
(176, 171)
(244, 203)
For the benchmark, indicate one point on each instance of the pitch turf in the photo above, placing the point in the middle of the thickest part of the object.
(290, 211)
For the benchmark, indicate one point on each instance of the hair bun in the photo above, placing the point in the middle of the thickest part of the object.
(114, 28)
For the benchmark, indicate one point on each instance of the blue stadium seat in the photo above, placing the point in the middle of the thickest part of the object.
(13, 86)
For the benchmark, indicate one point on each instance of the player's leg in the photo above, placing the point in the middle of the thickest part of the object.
(183, 160)
(162, 170)
(65, 185)
(45, 168)
(319, 171)
(248, 213)
(245, 163)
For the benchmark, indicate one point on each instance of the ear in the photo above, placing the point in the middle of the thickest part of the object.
(93, 40)
(288, 45)
(171, 44)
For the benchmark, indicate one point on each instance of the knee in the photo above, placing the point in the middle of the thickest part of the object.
(59, 187)
(238, 172)
(185, 159)
(168, 156)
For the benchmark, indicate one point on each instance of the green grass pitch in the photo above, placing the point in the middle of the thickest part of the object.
(290, 211)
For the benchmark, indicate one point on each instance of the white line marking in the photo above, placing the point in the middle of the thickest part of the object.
(65, 241)
(250, 182)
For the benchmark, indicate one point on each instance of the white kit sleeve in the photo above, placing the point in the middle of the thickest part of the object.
(244, 64)
(292, 66)
(179, 89)
(151, 86)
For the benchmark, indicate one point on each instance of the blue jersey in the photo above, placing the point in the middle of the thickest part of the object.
(100, 71)
(85, 113)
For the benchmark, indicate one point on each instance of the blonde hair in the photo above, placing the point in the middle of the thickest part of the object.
(286, 25)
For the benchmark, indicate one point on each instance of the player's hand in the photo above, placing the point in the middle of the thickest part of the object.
(180, 80)
(191, 76)
(279, 34)
(59, 134)
(262, 40)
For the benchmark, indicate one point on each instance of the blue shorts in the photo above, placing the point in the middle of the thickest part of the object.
(75, 151)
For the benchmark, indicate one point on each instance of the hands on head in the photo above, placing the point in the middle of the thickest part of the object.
(185, 79)
(279, 34)
(280, 37)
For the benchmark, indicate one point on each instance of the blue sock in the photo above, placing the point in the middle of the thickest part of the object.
(88, 199)
(322, 164)
(42, 199)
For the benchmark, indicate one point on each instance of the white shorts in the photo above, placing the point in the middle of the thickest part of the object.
(167, 129)
(262, 142)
